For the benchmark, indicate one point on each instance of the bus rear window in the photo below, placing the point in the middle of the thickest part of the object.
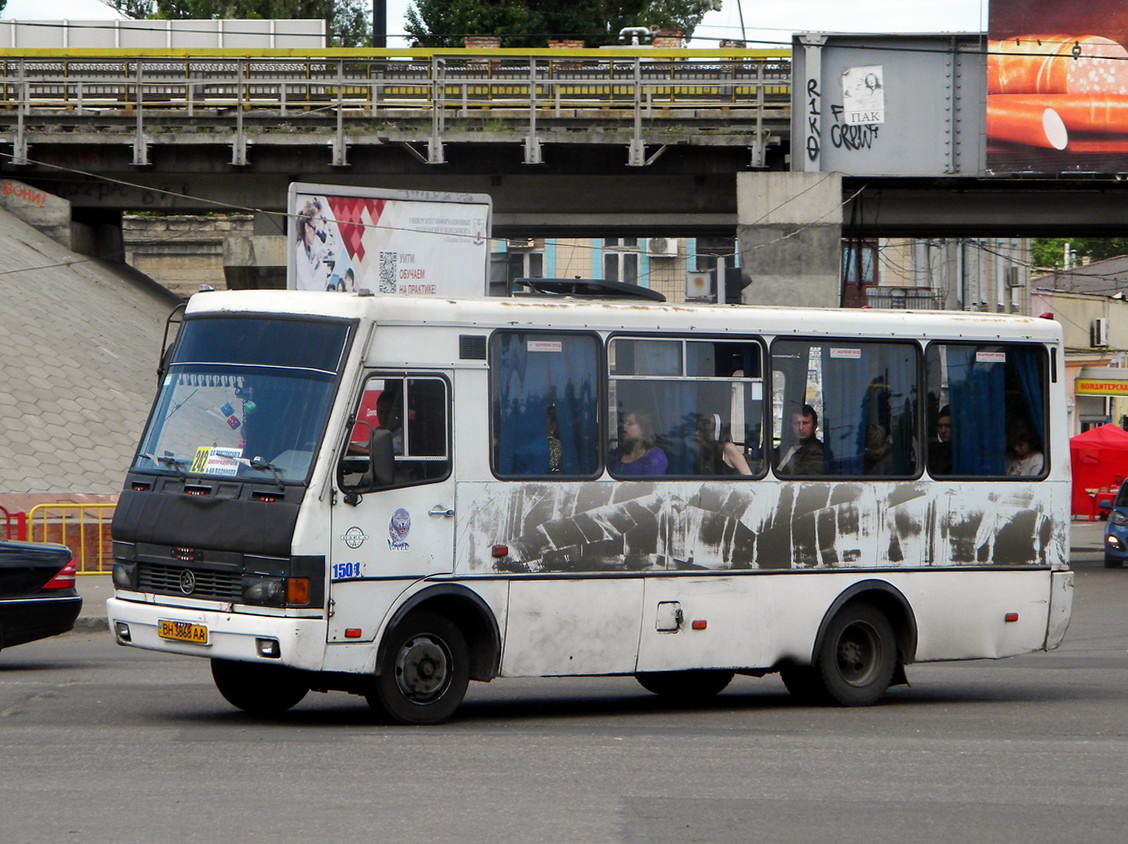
(986, 410)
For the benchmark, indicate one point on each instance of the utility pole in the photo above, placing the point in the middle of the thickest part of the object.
(379, 23)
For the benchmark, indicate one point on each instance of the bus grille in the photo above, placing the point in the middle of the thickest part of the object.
(215, 585)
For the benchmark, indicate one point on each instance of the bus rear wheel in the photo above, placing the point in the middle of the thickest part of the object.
(857, 657)
(685, 686)
(257, 688)
(424, 671)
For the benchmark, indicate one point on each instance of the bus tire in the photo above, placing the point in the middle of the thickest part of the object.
(857, 656)
(685, 686)
(803, 682)
(424, 671)
(257, 688)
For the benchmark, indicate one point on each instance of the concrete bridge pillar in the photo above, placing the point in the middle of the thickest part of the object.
(789, 233)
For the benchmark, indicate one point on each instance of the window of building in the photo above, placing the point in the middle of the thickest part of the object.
(621, 259)
(544, 404)
(714, 253)
(859, 271)
(986, 410)
(524, 265)
(844, 408)
(685, 407)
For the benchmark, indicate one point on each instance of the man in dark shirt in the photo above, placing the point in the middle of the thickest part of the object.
(940, 450)
(805, 456)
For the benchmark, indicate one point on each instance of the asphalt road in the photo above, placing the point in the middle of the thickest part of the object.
(102, 743)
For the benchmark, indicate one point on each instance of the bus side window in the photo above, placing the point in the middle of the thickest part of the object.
(544, 404)
(681, 407)
(845, 408)
(414, 411)
(986, 412)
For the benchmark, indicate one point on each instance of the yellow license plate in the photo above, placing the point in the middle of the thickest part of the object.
(182, 631)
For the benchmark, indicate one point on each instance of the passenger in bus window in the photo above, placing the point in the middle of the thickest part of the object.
(637, 453)
(940, 449)
(717, 454)
(805, 456)
(552, 439)
(1025, 458)
(878, 456)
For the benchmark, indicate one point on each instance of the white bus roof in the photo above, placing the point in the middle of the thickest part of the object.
(608, 314)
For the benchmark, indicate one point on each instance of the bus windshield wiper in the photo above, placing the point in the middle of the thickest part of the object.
(260, 464)
(166, 460)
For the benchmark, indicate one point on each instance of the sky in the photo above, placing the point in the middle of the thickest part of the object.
(764, 20)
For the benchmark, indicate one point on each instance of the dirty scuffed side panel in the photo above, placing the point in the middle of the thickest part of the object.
(606, 526)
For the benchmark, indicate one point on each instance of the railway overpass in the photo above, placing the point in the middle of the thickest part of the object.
(567, 142)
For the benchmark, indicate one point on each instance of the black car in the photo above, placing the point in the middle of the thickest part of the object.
(37, 592)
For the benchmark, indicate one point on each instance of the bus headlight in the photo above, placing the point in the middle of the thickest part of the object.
(264, 591)
(125, 575)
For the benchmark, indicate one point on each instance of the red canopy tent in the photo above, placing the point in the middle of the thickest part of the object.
(1100, 462)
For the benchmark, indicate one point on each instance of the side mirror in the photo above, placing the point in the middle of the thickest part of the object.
(1105, 505)
(354, 471)
(383, 455)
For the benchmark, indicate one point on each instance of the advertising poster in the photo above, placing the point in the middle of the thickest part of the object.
(863, 95)
(403, 242)
(1057, 86)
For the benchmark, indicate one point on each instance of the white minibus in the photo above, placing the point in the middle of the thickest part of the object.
(395, 495)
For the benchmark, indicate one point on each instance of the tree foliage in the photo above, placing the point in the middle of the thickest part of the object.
(1050, 251)
(530, 23)
(349, 21)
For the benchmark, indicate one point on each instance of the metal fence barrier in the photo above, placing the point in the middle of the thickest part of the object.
(84, 528)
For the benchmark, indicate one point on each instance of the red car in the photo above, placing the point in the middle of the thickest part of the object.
(37, 592)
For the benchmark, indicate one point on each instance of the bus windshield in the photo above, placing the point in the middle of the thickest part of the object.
(260, 413)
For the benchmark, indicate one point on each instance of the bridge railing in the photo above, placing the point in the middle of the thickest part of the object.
(451, 81)
(738, 88)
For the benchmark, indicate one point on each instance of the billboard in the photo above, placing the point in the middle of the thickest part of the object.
(388, 241)
(1057, 87)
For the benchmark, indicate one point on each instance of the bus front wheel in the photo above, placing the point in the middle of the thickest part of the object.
(685, 686)
(257, 688)
(424, 671)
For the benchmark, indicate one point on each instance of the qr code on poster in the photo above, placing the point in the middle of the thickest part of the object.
(388, 271)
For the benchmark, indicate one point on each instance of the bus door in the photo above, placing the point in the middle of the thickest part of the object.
(385, 535)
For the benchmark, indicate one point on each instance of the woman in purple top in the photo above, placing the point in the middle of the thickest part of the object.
(637, 454)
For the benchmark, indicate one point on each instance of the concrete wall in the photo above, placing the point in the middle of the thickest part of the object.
(48, 213)
(255, 261)
(789, 234)
(182, 252)
(299, 34)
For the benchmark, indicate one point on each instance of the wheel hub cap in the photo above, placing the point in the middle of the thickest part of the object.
(421, 668)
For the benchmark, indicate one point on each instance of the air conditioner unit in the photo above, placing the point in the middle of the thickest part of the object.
(1098, 333)
(520, 243)
(663, 247)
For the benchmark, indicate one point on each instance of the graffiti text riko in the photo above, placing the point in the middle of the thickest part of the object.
(814, 100)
